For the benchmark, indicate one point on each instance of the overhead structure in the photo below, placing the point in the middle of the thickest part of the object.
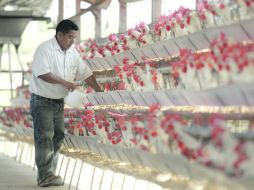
(97, 5)
(37, 7)
(14, 16)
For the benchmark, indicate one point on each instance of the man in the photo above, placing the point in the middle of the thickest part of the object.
(56, 64)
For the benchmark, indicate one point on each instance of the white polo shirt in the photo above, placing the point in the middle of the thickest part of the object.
(50, 58)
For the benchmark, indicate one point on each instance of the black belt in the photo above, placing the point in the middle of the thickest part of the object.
(61, 100)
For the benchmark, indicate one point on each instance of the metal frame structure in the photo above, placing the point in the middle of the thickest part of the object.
(16, 22)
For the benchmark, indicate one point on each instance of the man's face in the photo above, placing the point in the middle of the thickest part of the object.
(66, 40)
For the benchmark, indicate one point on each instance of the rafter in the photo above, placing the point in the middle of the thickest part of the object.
(90, 1)
(92, 7)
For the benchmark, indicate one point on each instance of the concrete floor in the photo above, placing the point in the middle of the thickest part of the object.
(16, 176)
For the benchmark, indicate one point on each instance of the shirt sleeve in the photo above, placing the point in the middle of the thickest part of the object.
(83, 71)
(41, 62)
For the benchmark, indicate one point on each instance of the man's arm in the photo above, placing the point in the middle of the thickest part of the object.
(91, 81)
(51, 78)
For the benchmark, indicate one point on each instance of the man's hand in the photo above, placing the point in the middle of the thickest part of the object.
(91, 81)
(70, 86)
(50, 78)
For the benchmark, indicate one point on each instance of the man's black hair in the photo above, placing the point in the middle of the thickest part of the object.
(65, 26)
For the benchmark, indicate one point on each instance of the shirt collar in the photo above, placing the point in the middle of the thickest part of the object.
(55, 44)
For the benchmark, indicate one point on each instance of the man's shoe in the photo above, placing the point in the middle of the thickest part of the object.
(51, 180)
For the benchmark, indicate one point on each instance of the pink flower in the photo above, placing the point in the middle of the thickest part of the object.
(222, 6)
(136, 78)
(107, 87)
(154, 108)
(154, 134)
(117, 69)
(89, 90)
(121, 86)
(126, 60)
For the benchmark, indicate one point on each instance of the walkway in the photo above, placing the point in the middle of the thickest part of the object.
(16, 176)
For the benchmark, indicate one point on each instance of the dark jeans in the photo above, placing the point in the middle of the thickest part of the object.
(48, 124)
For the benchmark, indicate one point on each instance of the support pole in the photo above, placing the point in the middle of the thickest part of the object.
(156, 10)
(77, 20)
(97, 14)
(20, 63)
(60, 10)
(123, 16)
(1, 50)
(10, 69)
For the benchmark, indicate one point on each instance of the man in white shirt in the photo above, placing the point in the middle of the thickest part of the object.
(56, 65)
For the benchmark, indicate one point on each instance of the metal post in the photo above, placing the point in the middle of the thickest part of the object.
(135, 184)
(123, 16)
(72, 173)
(20, 63)
(16, 156)
(101, 179)
(31, 156)
(77, 20)
(156, 10)
(66, 170)
(61, 165)
(60, 10)
(97, 15)
(123, 182)
(10, 69)
(1, 49)
(91, 185)
(111, 185)
(21, 154)
(79, 174)
(27, 154)
(34, 166)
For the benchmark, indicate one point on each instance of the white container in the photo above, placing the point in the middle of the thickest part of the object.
(75, 99)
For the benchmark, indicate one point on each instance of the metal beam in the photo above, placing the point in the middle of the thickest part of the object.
(18, 14)
(13, 71)
(90, 1)
(92, 7)
(24, 17)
